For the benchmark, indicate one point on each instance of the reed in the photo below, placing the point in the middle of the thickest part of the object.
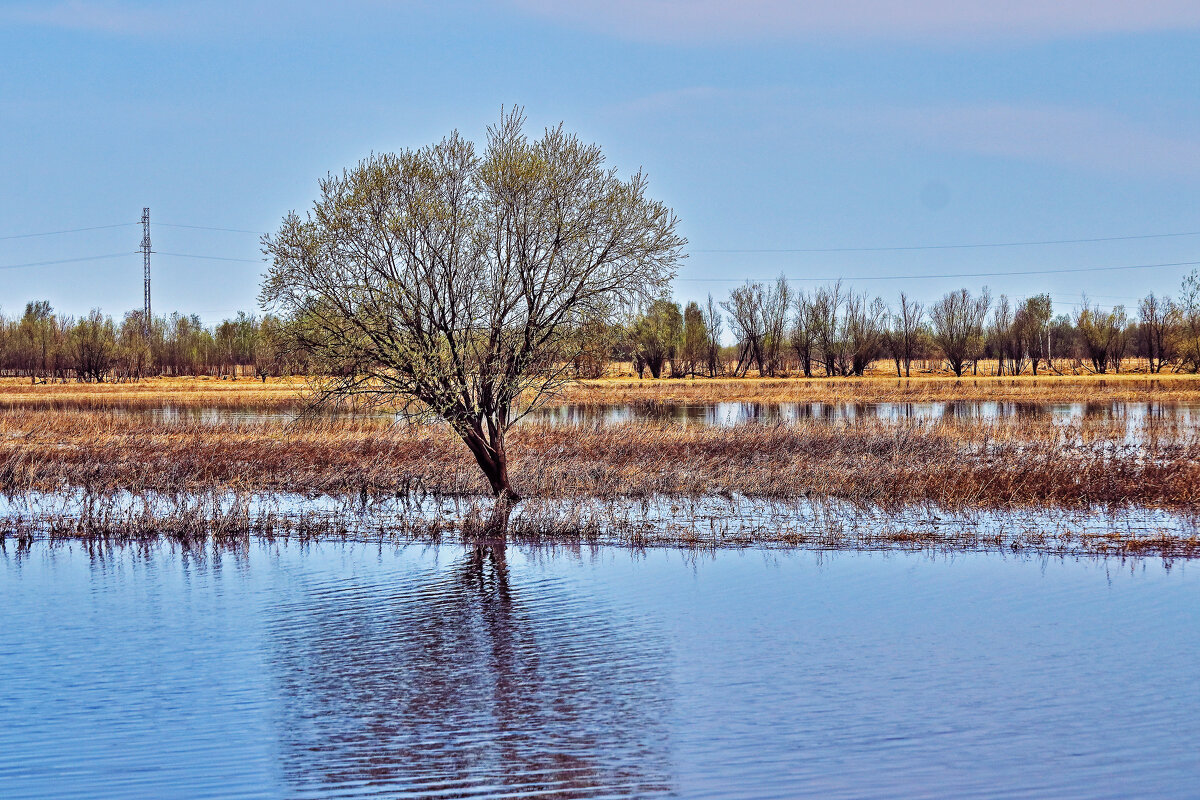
(105, 520)
(949, 463)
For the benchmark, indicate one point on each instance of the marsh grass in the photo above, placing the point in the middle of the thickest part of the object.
(711, 524)
(950, 483)
(951, 463)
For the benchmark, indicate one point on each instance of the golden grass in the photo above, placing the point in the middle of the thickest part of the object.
(1024, 389)
(953, 464)
(290, 394)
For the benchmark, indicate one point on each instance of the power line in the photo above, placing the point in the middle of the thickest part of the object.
(212, 258)
(210, 228)
(68, 230)
(65, 261)
(949, 274)
(119, 255)
(952, 246)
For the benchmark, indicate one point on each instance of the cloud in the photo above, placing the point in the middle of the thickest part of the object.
(1097, 140)
(1081, 138)
(721, 20)
(103, 17)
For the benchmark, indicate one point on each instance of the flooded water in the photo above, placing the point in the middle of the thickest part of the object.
(339, 670)
(736, 413)
(740, 413)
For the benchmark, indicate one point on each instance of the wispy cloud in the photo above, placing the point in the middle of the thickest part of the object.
(720, 20)
(1082, 138)
(1096, 140)
(103, 17)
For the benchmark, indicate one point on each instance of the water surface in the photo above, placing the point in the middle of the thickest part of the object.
(340, 670)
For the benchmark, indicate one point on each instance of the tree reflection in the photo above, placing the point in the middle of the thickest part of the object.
(454, 682)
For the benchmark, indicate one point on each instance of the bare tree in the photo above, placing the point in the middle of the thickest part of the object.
(804, 332)
(95, 346)
(1033, 322)
(958, 322)
(449, 282)
(777, 301)
(1157, 320)
(825, 308)
(745, 310)
(907, 330)
(1102, 335)
(712, 326)
(862, 332)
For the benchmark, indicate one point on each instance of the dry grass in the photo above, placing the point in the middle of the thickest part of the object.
(954, 464)
(1176, 389)
(275, 394)
(290, 394)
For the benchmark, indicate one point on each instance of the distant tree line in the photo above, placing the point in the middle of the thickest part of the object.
(834, 331)
(43, 345)
(776, 329)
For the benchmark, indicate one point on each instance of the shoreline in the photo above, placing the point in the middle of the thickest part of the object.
(706, 524)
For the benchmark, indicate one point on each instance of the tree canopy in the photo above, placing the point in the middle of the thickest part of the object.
(456, 282)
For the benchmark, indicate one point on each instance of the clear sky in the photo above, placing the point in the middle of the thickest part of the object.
(766, 125)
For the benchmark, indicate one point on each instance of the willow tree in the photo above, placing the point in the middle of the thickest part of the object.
(456, 283)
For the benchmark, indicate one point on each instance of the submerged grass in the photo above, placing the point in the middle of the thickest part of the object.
(875, 483)
(950, 463)
(234, 520)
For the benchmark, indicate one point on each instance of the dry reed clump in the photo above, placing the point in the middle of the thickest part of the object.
(954, 464)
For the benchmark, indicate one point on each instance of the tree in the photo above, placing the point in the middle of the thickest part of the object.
(38, 333)
(958, 322)
(745, 310)
(1189, 322)
(804, 333)
(1157, 320)
(94, 342)
(825, 308)
(712, 326)
(906, 332)
(1102, 335)
(451, 282)
(656, 336)
(862, 332)
(1033, 322)
(694, 345)
(777, 301)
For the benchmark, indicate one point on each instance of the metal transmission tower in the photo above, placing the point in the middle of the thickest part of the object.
(146, 270)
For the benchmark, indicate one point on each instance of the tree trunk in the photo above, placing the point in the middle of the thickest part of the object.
(493, 461)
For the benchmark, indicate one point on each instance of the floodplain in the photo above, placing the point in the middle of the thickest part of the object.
(1079, 464)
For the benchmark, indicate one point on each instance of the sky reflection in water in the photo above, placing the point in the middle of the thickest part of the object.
(337, 669)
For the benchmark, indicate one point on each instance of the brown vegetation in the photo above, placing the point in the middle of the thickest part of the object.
(954, 464)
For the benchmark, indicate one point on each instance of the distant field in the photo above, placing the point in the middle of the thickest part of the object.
(292, 393)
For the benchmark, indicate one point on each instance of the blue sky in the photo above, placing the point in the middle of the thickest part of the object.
(766, 125)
